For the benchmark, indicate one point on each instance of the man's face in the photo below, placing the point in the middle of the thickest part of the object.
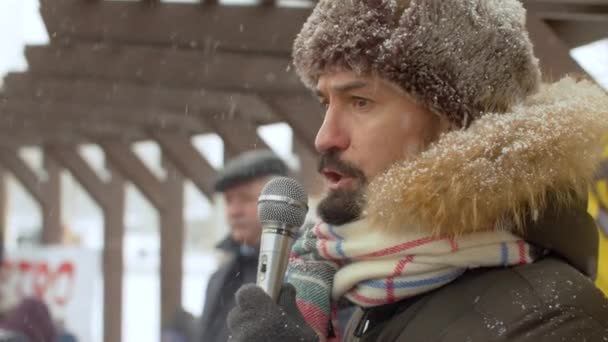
(242, 211)
(369, 124)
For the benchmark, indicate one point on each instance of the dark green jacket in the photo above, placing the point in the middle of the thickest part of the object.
(237, 271)
(553, 299)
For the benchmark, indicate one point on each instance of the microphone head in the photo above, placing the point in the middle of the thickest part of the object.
(283, 200)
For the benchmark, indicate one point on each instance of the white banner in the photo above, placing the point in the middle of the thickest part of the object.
(64, 278)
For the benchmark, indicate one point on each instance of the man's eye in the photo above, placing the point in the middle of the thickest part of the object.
(359, 102)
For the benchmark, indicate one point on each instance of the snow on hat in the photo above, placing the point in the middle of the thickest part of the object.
(459, 58)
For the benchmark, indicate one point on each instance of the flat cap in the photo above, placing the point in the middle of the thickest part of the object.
(248, 166)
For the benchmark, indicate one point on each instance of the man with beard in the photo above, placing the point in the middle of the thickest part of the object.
(457, 183)
(241, 182)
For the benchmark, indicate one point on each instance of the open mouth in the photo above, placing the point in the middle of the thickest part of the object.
(332, 176)
(336, 179)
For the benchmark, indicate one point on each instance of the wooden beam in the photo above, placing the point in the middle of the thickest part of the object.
(187, 159)
(34, 134)
(70, 159)
(166, 66)
(302, 113)
(52, 229)
(143, 115)
(238, 135)
(132, 168)
(46, 191)
(16, 110)
(45, 130)
(571, 10)
(13, 141)
(11, 160)
(171, 243)
(255, 28)
(554, 55)
(172, 103)
(20, 119)
(578, 33)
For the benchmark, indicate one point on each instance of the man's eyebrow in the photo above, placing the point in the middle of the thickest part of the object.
(344, 87)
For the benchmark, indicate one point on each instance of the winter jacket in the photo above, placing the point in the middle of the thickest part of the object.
(549, 300)
(236, 271)
(527, 170)
(31, 319)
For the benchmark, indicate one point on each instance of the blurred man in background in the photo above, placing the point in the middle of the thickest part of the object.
(30, 321)
(241, 182)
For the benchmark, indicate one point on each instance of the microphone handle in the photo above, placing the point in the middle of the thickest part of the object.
(275, 247)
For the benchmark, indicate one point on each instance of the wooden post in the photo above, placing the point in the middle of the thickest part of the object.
(52, 231)
(238, 135)
(110, 196)
(2, 213)
(188, 160)
(46, 191)
(171, 242)
(554, 55)
(113, 268)
(167, 197)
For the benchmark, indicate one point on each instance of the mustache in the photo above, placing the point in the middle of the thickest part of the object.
(331, 159)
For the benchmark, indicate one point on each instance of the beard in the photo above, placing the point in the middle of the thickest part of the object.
(342, 206)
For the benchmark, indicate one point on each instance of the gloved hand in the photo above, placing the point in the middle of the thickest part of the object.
(256, 318)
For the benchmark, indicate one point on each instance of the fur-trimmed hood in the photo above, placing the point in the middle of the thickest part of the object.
(500, 169)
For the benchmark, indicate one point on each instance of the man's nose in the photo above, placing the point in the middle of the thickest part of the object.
(234, 210)
(333, 133)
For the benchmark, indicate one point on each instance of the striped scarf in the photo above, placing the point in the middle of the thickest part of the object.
(369, 267)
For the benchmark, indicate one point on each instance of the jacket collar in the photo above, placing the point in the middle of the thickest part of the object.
(501, 170)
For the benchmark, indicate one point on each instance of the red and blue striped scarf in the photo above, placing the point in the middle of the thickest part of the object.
(371, 267)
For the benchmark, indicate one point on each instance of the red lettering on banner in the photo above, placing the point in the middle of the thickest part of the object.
(65, 271)
(24, 278)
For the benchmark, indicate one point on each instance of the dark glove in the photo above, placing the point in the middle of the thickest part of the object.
(256, 318)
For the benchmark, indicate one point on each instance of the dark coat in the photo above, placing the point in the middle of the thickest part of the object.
(550, 300)
(219, 300)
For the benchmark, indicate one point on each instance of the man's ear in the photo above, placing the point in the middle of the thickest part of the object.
(441, 126)
(446, 125)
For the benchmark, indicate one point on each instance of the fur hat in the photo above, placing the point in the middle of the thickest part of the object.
(459, 58)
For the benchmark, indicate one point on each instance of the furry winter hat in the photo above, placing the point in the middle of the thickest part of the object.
(459, 58)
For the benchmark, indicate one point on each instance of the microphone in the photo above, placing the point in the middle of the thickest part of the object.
(282, 208)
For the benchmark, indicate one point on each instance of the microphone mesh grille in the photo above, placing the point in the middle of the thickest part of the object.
(282, 211)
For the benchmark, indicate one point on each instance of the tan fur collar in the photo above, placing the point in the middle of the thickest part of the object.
(500, 168)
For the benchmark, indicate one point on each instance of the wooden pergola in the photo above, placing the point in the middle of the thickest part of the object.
(118, 72)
